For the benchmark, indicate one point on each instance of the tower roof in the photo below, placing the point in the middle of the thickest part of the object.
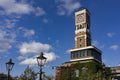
(83, 8)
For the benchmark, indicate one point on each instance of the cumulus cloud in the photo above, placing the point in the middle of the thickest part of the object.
(5, 41)
(29, 61)
(39, 11)
(10, 12)
(67, 6)
(9, 33)
(2, 34)
(114, 47)
(21, 57)
(32, 60)
(35, 48)
(9, 7)
(110, 34)
(10, 23)
(27, 32)
(51, 56)
(5, 45)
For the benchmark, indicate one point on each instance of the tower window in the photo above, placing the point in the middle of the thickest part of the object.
(71, 55)
(77, 27)
(80, 41)
(88, 26)
(80, 45)
(76, 55)
(80, 26)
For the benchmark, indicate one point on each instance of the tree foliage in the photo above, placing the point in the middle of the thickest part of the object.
(28, 74)
(48, 77)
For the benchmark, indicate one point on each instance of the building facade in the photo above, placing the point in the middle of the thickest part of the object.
(83, 52)
(85, 60)
(115, 75)
(83, 49)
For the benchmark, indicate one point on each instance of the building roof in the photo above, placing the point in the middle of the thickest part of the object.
(82, 8)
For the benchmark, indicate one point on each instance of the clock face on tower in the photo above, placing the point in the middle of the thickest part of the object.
(80, 18)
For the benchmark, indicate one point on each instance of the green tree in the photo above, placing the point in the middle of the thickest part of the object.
(28, 74)
(48, 77)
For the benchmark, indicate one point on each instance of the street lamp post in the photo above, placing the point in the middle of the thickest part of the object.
(41, 60)
(9, 66)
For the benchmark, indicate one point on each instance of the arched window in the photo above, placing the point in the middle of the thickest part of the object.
(77, 27)
(88, 27)
(77, 73)
(80, 45)
(80, 41)
(80, 26)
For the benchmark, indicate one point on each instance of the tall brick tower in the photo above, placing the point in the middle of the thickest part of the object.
(83, 52)
(82, 32)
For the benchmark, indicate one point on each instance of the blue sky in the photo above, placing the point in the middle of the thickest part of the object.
(28, 27)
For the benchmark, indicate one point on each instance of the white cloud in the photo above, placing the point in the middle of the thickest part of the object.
(32, 60)
(9, 7)
(67, 6)
(21, 57)
(33, 47)
(2, 34)
(6, 40)
(51, 56)
(27, 32)
(39, 11)
(114, 47)
(68, 51)
(10, 23)
(110, 34)
(9, 33)
(5, 45)
(29, 61)
(95, 43)
(7, 25)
